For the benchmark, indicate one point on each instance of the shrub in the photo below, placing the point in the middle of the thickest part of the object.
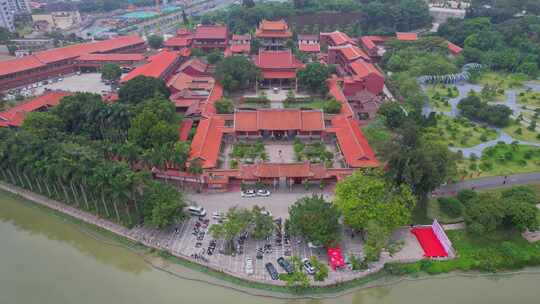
(332, 107)
(450, 206)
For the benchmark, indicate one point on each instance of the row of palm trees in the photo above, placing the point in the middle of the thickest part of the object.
(75, 174)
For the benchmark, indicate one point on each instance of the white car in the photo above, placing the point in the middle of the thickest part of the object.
(248, 267)
(248, 193)
(263, 193)
(217, 215)
(314, 246)
(308, 267)
(266, 212)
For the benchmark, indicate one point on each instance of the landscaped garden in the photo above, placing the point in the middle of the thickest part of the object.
(439, 95)
(520, 131)
(529, 99)
(501, 159)
(377, 134)
(316, 152)
(501, 80)
(460, 132)
(244, 152)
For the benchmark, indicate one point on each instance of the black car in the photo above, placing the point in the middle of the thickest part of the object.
(272, 271)
(285, 265)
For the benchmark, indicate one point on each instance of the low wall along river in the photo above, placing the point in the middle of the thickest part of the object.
(46, 259)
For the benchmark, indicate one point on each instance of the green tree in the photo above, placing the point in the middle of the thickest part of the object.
(394, 114)
(163, 205)
(44, 125)
(155, 126)
(368, 196)
(332, 106)
(224, 106)
(155, 41)
(321, 269)
(214, 57)
(313, 77)
(298, 280)
(236, 73)
(237, 221)
(263, 224)
(111, 72)
(141, 88)
(314, 219)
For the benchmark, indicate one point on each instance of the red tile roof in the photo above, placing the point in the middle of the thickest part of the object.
(210, 32)
(277, 29)
(183, 32)
(454, 49)
(406, 36)
(353, 144)
(338, 38)
(156, 66)
(216, 94)
(277, 60)
(19, 64)
(278, 74)
(351, 52)
(196, 64)
(240, 48)
(111, 57)
(40, 59)
(338, 95)
(207, 141)
(183, 81)
(278, 120)
(309, 47)
(178, 42)
(15, 115)
(363, 69)
(185, 129)
(370, 42)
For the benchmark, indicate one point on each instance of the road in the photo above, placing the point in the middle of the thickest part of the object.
(489, 183)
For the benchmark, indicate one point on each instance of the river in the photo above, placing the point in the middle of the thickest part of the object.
(45, 260)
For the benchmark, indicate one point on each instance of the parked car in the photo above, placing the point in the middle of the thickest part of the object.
(285, 265)
(217, 215)
(314, 246)
(263, 193)
(249, 266)
(266, 212)
(248, 193)
(272, 271)
(308, 267)
(196, 210)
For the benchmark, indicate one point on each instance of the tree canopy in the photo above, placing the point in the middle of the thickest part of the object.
(368, 196)
(155, 41)
(313, 77)
(474, 108)
(111, 71)
(236, 73)
(141, 88)
(314, 219)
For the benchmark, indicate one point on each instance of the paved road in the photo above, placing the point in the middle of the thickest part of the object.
(489, 183)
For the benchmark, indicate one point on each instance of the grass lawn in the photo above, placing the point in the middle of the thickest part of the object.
(529, 98)
(501, 160)
(460, 132)
(503, 80)
(439, 95)
(377, 134)
(525, 134)
(499, 251)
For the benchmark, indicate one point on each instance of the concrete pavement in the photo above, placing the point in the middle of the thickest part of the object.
(489, 183)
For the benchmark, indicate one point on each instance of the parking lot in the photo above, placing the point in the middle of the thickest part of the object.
(87, 82)
(192, 239)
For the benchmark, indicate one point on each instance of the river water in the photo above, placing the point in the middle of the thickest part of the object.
(45, 260)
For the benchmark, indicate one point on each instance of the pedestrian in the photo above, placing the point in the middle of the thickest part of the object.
(504, 182)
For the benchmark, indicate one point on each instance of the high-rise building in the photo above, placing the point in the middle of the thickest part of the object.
(20, 6)
(6, 15)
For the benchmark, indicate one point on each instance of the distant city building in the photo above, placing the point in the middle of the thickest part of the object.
(6, 15)
(59, 20)
(31, 45)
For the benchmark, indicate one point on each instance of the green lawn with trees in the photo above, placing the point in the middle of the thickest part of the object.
(155, 41)
(439, 95)
(522, 131)
(236, 73)
(111, 72)
(459, 132)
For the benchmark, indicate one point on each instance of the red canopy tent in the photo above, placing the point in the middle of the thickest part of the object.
(335, 258)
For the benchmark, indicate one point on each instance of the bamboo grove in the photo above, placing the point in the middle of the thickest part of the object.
(98, 157)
